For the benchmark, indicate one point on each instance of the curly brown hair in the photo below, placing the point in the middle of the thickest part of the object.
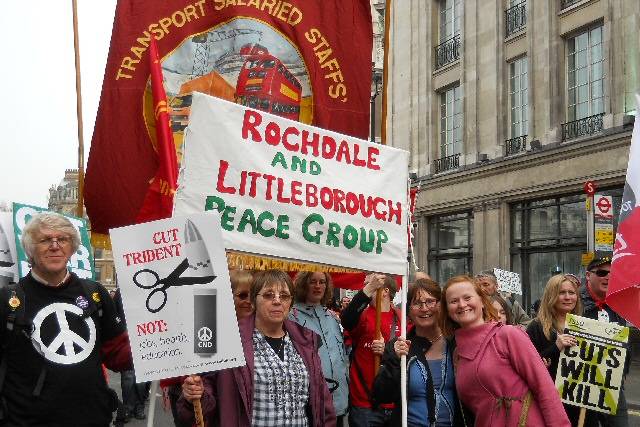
(301, 285)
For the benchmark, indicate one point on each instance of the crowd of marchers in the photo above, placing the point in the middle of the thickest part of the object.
(474, 356)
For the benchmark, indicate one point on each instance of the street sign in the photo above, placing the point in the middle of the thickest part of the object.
(603, 206)
(590, 188)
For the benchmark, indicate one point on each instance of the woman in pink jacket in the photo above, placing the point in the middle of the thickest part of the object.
(499, 374)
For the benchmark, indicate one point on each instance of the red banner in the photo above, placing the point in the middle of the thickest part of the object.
(623, 294)
(158, 203)
(309, 61)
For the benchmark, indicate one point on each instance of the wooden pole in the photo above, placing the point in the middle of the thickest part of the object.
(76, 47)
(583, 413)
(376, 359)
(197, 409)
(385, 71)
(152, 403)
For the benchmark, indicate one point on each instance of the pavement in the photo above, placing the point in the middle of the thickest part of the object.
(161, 418)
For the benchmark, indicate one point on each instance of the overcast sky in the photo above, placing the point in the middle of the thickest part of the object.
(37, 74)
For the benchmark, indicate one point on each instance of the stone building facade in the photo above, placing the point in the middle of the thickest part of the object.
(508, 107)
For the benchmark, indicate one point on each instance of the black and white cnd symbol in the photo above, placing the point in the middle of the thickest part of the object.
(205, 334)
(67, 346)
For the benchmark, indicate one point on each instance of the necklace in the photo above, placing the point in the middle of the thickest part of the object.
(277, 344)
(436, 339)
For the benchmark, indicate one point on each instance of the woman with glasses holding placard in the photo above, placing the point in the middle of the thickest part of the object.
(313, 292)
(431, 393)
(282, 383)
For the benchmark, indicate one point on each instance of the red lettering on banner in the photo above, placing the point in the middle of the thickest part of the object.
(249, 123)
(243, 182)
(224, 165)
(312, 195)
(285, 138)
(269, 179)
(272, 134)
(296, 192)
(397, 212)
(313, 142)
(338, 201)
(372, 159)
(352, 203)
(328, 147)
(378, 214)
(280, 198)
(343, 151)
(326, 198)
(357, 161)
(253, 186)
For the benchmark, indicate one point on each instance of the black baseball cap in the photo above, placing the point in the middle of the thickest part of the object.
(597, 262)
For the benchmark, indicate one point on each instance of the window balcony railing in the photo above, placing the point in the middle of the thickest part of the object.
(447, 163)
(516, 18)
(587, 126)
(567, 3)
(516, 145)
(448, 51)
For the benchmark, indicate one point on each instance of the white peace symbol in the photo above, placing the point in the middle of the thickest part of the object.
(66, 338)
(205, 334)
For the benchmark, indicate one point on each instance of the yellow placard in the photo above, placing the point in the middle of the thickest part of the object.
(587, 257)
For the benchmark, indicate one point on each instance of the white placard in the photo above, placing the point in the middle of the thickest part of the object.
(183, 260)
(8, 257)
(293, 191)
(508, 281)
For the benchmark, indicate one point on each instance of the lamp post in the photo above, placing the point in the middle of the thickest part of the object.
(376, 84)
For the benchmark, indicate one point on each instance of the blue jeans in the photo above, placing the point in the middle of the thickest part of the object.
(133, 395)
(367, 417)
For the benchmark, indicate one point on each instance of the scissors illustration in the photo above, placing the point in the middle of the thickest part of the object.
(172, 279)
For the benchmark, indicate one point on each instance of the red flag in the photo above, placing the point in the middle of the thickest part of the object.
(158, 202)
(309, 69)
(623, 294)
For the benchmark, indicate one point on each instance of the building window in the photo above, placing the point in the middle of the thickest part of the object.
(448, 50)
(451, 122)
(450, 245)
(550, 236)
(516, 16)
(585, 75)
(449, 19)
(518, 96)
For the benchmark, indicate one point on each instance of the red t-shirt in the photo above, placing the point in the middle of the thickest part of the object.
(363, 358)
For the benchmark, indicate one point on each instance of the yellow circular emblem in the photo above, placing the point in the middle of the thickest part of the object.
(95, 296)
(14, 302)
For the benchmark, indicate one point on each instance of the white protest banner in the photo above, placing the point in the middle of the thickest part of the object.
(508, 281)
(8, 257)
(177, 297)
(590, 374)
(81, 262)
(293, 191)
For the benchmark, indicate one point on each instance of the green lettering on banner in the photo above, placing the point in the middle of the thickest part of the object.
(214, 203)
(305, 228)
(266, 232)
(81, 262)
(367, 246)
(332, 235)
(248, 218)
(226, 219)
(282, 227)
(279, 159)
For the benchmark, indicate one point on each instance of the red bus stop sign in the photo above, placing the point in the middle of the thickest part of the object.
(590, 188)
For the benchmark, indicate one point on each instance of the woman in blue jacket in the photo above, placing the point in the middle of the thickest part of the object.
(313, 292)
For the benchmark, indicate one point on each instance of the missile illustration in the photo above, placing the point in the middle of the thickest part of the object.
(200, 264)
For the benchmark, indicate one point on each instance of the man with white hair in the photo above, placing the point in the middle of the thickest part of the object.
(59, 330)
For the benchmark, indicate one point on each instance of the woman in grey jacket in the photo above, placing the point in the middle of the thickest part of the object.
(313, 292)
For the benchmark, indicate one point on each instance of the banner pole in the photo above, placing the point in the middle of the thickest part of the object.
(583, 413)
(376, 358)
(403, 323)
(197, 409)
(152, 403)
(385, 71)
(76, 48)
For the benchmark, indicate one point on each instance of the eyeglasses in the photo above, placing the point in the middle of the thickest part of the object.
(601, 273)
(428, 303)
(242, 295)
(49, 241)
(270, 296)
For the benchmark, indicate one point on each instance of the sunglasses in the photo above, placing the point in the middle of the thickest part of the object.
(242, 295)
(601, 273)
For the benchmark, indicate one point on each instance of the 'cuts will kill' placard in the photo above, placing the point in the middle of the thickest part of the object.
(590, 374)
